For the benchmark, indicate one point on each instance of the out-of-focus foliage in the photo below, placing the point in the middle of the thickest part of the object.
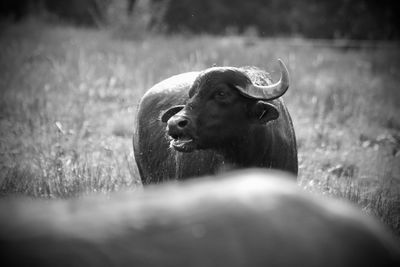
(81, 12)
(360, 19)
(355, 19)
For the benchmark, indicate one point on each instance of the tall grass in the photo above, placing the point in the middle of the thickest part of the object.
(69, 96)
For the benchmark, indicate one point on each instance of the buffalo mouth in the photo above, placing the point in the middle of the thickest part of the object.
(183, 143)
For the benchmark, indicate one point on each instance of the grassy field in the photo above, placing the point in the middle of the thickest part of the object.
(69, 97)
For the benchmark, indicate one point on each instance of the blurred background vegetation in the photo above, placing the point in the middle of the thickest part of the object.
(350, 19)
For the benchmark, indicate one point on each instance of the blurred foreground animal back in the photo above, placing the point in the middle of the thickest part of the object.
(247, 218)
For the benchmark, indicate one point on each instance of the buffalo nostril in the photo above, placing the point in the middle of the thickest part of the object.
(182, 123)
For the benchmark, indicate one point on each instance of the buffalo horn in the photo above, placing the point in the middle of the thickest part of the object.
(269, 92)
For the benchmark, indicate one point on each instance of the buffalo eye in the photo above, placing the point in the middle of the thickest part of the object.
(220, 95)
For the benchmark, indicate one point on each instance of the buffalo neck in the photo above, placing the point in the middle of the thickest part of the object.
(249, 150)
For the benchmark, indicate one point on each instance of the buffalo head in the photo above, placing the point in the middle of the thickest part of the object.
(223, 104)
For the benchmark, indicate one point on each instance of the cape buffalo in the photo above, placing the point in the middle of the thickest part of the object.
(221, 118)
(243, 219)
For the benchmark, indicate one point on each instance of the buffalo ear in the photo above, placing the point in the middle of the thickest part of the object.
(264, 112)
(170, 112)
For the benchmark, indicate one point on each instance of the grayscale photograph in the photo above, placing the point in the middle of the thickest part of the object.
(200, 133)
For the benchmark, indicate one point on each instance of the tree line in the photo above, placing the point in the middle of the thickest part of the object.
(355, 19)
